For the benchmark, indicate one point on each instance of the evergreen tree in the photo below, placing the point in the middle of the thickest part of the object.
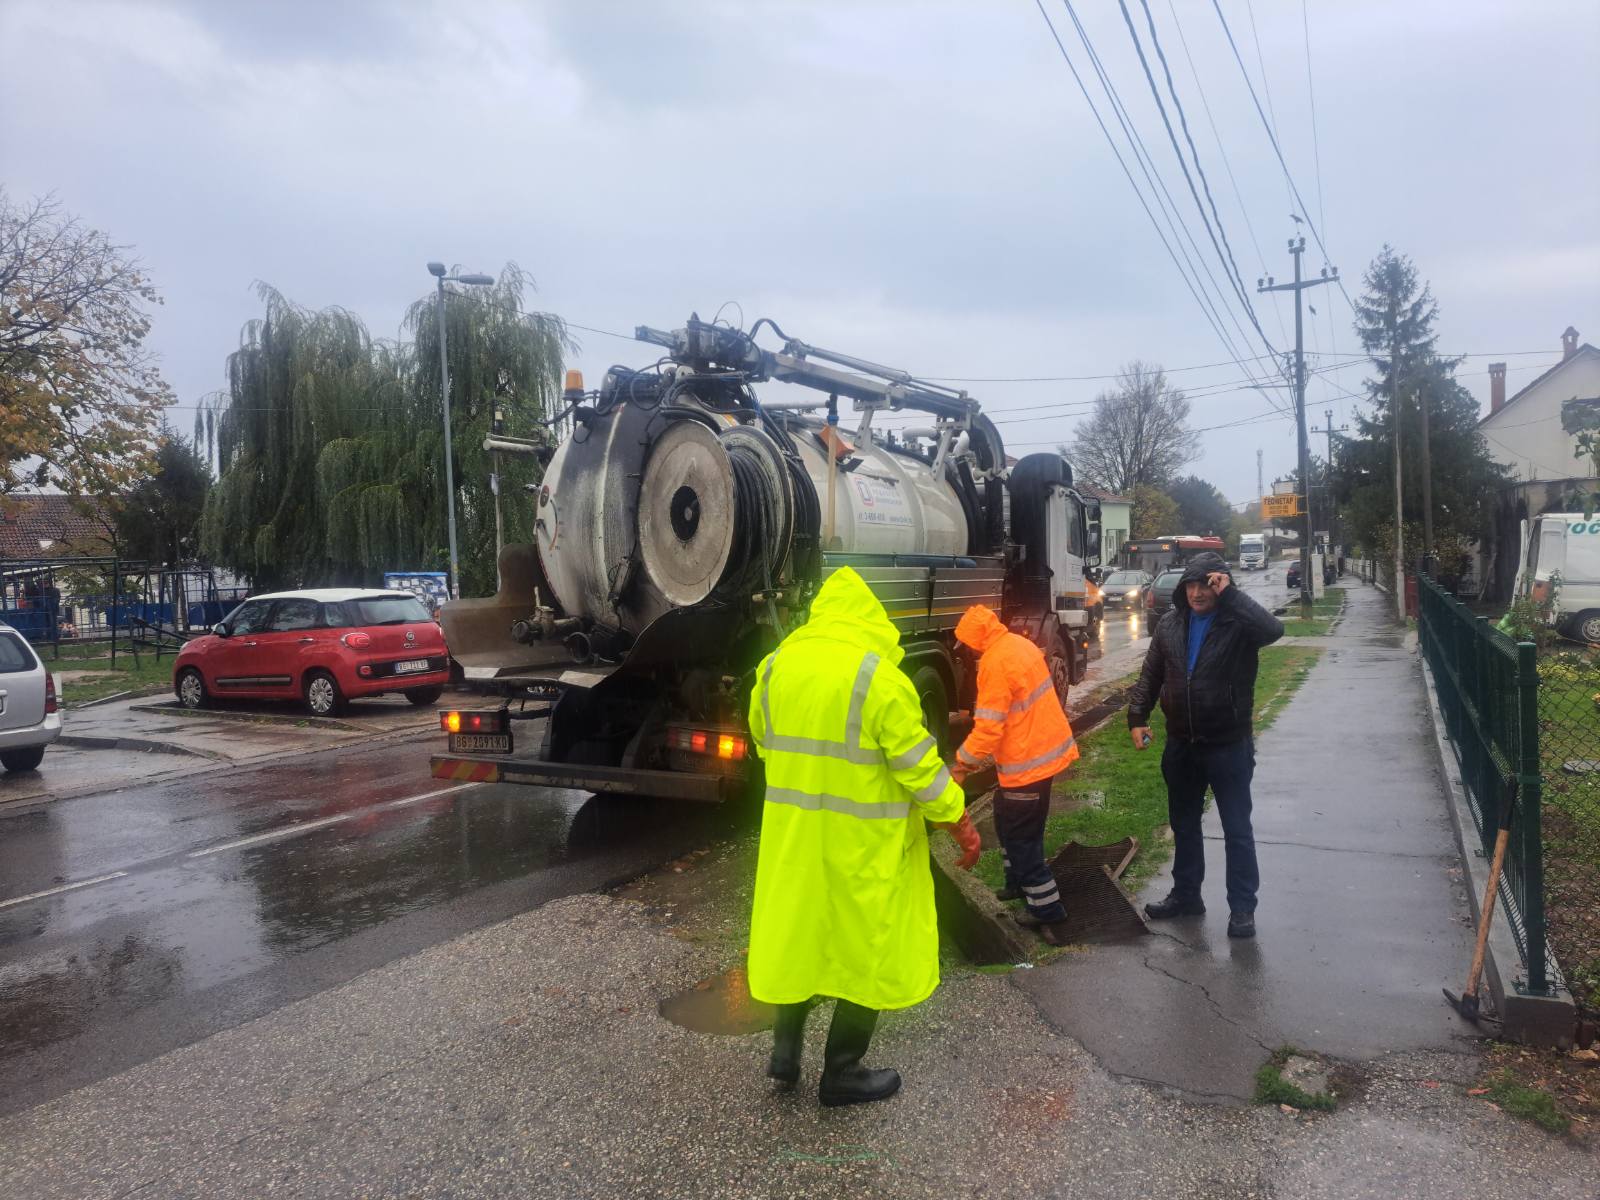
(158, 520)
(1395, 319)
(1202, 509)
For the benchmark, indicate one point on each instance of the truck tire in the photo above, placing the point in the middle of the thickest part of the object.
(934, 697)
(1061, 672)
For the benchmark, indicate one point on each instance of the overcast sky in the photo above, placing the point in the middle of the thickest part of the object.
(922, 184)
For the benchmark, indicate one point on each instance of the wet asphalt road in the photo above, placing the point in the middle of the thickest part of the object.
(223, 896)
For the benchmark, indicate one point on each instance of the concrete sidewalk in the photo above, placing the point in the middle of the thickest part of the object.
(1362, 919)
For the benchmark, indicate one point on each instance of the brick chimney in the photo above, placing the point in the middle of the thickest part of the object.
(1569, 343)
(1497, 387)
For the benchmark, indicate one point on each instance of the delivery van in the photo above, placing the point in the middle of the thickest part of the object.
(1561, 556)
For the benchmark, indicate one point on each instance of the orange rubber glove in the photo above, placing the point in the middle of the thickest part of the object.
(966, 836)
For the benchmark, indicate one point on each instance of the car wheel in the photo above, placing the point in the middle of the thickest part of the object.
(1587, 626)
(322, 695)
(425, 696)
(22, 760)
(191, 688)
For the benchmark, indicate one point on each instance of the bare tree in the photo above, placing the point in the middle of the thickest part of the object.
(1137, 434)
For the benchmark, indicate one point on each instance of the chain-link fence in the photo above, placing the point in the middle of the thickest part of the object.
(1569, 754)
(1525, 722)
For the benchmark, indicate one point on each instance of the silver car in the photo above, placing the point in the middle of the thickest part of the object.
(30, 718)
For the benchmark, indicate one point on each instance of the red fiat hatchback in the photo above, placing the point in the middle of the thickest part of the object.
(325, 646)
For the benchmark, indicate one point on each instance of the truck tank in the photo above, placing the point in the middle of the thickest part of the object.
(653, 505)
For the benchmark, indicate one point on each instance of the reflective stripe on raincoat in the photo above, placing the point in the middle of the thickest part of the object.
(1018, 720)
(844, 893)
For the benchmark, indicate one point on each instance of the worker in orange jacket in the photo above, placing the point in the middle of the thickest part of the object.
(1019, 723)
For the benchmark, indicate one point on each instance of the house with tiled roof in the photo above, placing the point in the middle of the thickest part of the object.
(41, 526)
(1525, 432)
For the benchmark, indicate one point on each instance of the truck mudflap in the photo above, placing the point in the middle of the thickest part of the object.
(584, 777)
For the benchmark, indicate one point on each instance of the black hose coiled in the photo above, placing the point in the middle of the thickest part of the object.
(757, 528)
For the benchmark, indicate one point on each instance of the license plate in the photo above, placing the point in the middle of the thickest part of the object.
(415, 664)
(492, 743)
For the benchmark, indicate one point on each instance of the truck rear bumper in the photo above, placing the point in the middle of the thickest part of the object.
(670, 785)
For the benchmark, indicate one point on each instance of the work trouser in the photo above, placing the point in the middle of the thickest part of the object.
(1019, 815)
(1189, 768)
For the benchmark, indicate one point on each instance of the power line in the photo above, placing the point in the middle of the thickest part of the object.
(1134, 143)
(1225, 251)
(1159, 188)
(1276, 149)
(1222, 152)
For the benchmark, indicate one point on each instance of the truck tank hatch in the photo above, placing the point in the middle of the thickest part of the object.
(686, 513)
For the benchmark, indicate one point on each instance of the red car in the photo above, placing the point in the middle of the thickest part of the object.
(325, 646)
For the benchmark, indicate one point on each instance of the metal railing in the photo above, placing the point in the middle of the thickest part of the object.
(1488, 690)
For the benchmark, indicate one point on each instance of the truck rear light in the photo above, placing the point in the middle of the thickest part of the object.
(494, 721)
(701, 741)
(50, 705)
(357, 640)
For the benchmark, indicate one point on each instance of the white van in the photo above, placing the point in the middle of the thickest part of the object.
(1568, 546)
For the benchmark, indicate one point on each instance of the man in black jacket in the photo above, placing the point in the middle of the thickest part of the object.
(1202, 666)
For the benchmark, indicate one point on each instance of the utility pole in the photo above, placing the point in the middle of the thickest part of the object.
(1261, 487)
(1399, 495)
(1327, 415)
(1427, 482)
(1297, 247)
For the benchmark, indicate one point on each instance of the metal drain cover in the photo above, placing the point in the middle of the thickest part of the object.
(1114, 857)
(1098, 910)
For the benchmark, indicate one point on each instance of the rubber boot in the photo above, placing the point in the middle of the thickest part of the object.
(844, 1079)
(788, 1039)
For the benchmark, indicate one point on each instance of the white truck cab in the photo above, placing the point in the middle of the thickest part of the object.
(1561, 557)
(1252, 551)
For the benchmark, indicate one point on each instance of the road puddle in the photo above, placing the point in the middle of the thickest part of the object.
(721, 1004)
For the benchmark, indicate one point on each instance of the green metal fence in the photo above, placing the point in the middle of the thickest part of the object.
(1488, 689)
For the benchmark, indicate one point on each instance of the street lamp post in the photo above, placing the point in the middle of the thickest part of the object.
(436, 269)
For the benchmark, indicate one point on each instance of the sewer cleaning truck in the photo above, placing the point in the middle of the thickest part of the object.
(682, 527)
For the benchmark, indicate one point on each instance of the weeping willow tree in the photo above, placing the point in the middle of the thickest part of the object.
(330, 445)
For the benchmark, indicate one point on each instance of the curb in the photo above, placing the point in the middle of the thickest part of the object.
(1535, 1020)
(969, 914)
(172, 708)
(85, 741)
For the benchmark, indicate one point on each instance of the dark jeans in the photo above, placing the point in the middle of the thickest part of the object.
(1019, 815)
(1189, 768)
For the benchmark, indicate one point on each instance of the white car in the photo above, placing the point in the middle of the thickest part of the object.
(30, 718)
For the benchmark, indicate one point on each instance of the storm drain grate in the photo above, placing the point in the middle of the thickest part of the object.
(1098, 910)
(1114, 857)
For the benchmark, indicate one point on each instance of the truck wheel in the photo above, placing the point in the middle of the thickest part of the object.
(1587, 626)
(1060, 669)
(935, 700)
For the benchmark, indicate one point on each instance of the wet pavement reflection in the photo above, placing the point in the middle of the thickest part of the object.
(191, 933)
(721, 1004)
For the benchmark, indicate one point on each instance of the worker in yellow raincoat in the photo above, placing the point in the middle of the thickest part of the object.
(844, 892)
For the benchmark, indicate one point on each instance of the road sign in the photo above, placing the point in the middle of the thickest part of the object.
(1280, 506)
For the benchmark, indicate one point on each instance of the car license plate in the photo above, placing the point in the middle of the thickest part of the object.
(492, 743)
(415, 664)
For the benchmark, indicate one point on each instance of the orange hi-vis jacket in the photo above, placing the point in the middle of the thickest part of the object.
(1018, 721)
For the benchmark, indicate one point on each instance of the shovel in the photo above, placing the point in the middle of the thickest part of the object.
(1467, 1003)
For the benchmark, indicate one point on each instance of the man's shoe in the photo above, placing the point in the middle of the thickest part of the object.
(857, 1085)
(1241, 925)
(1174, 906)
(1054, 933)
